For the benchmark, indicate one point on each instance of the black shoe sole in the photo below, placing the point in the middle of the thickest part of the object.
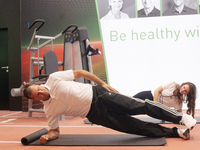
(186, 134)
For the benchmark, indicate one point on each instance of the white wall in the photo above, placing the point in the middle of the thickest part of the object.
(163, 51)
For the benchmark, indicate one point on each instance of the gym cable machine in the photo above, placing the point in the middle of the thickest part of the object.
(77, 55)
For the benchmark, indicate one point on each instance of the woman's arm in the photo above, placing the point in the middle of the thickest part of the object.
(92, 77)
(51, 135)
(156, 93)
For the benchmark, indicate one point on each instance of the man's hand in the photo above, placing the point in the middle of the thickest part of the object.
(51, 135)
(43, 139)
(109, 88)
(92, 77)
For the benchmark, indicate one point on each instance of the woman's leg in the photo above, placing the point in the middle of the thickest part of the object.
(144, 95)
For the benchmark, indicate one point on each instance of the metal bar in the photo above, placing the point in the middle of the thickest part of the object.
(44, 37)
(49, 41)
(32, 39)
(36, 58)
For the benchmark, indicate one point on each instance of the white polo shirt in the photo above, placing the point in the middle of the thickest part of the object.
(67, 97)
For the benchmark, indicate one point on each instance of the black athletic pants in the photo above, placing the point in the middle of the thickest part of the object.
(114, 110)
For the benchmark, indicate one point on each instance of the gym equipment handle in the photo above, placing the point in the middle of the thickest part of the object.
(37, 20)
(73, 25)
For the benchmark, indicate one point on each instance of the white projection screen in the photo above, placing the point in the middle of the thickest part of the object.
(143, 53)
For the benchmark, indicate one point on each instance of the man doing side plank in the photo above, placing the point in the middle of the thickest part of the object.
(102, 105)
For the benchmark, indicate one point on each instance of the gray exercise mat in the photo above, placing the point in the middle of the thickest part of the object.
(103, 140)
(153, 120)
(198, 119)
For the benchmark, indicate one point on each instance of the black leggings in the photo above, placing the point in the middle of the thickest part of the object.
(144, 95)
(114, 110)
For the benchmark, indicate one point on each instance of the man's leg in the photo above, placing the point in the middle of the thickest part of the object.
(99, 114)
(122, 104)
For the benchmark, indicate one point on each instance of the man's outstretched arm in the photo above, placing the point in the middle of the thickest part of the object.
(51, 135)
(92, 77)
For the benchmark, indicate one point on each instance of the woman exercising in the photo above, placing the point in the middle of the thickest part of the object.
(172, 94)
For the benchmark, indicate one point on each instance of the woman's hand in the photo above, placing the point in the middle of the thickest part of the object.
(156, 93)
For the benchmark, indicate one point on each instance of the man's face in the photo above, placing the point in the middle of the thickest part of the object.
(178, 2)
(148, 3)
(38, 93)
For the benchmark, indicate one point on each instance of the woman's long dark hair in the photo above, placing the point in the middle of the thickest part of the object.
(191, 97)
